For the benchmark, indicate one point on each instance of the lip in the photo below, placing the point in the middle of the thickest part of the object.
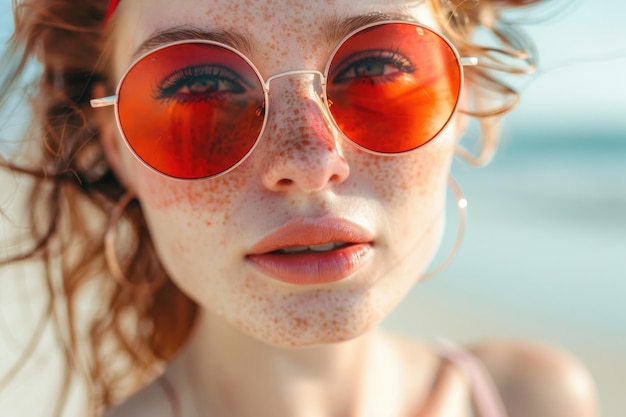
(312, 268)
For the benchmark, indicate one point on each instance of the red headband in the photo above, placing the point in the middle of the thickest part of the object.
(111, 9)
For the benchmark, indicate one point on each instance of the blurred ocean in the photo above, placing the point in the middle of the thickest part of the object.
(544, 254)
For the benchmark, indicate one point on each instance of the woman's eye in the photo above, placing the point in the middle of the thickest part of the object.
(373, 68)
(199, 83)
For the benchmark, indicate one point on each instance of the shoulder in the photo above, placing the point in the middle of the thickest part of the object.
(154, 400)
(538, 380)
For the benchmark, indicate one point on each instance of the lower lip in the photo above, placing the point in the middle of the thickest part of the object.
(313, 268)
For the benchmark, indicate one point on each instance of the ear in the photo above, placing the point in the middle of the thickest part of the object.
(110, 140)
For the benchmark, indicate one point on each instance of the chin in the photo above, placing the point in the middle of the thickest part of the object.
(313, 328)
(315, 340)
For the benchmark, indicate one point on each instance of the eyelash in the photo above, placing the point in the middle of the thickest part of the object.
(386, 57)
(168, 88)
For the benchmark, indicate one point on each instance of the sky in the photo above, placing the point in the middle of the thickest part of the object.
(581, 80)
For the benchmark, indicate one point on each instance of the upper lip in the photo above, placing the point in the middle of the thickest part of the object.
(307, 232)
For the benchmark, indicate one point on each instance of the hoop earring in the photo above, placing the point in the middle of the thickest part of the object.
(484, 156)
(461, 204)
(111, 258)
(488, 144)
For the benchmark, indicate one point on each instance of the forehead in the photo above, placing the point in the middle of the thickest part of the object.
(278, 30)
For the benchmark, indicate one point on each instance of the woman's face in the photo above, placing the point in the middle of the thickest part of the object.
(230, 242)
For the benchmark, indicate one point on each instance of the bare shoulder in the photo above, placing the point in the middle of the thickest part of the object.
(151, 401)
(537, 379)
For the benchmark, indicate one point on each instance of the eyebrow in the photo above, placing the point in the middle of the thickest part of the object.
(237, 40)
(334, 30)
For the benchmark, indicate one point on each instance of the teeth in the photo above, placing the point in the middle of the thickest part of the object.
(294, 249)
(323, 247)
(313, 248)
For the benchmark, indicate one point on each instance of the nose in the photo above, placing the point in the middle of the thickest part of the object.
(301, 151)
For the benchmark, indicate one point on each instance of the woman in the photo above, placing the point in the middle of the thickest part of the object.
(252, 187)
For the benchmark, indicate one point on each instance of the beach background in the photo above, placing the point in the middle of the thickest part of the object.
(544, 253)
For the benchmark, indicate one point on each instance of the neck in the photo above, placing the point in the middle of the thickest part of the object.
(233, 374)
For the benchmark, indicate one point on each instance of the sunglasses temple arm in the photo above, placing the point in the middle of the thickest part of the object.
(103, 102)
(468, 61)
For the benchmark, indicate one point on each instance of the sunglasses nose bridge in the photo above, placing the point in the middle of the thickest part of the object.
(299, 90)
(295, 73)
(300, 148)
(299, 82)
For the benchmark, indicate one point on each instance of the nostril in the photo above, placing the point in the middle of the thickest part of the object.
(334, 178)
(286, 182)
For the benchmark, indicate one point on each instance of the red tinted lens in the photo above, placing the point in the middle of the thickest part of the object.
(393, 87)
(190, 110)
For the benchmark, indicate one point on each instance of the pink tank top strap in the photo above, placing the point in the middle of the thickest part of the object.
(486, 400)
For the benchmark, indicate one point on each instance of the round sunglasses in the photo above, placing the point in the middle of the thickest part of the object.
(196, 109)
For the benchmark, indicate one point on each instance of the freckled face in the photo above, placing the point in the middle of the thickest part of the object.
(302, 169)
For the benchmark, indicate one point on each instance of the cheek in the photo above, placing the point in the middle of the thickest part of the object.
(189, 221)
(204, 197)
(411, 191)
(420, 173)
